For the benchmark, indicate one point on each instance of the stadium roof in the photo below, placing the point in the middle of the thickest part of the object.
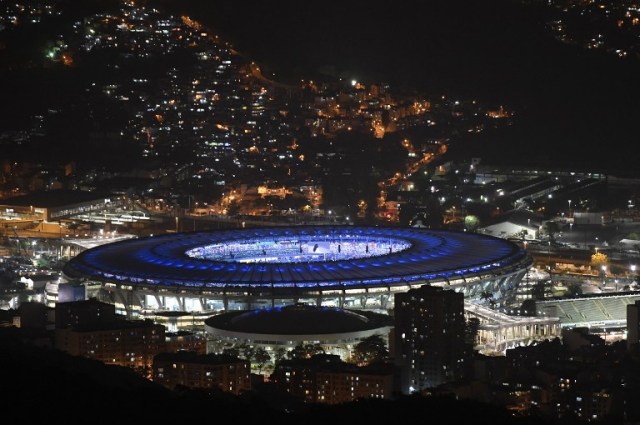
(431, 255)
(298, 319)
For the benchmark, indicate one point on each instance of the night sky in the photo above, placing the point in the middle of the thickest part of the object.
(575, 108)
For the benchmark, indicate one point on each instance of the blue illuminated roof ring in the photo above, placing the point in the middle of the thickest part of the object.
(162, 261)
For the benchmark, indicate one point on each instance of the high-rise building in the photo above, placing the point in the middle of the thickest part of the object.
(633, 324)
(429, 337)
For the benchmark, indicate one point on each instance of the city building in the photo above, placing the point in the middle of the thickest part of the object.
(516, 224)
(55, 205)
(353, 383)
(63, 291)
(633, 324)
(92, 329)
(124, 343)
(324, 378)
(185, 341)
(34, 315)
(429, 337)
(84, 313)
(204, 371)
(71, 291)
(298, 376)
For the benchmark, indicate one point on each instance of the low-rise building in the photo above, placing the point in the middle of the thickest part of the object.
(324, 378)
(205, 371)
(124, 343)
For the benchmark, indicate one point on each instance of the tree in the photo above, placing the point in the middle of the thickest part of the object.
(434, 218)
(371, 349)
(261, 357)
(305, 351)
(279, 354)
(486, 295)
(573, 290)
(599, 259)
(471, 223)
(245, 351)
(528, 307)
(523, 234)
(407, 213)
(551, 228)
(233, 209)
(538, 290)
(233, 351)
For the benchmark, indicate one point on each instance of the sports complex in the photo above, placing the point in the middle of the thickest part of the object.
(334, 266)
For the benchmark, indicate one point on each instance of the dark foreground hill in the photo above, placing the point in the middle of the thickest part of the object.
(42, 385)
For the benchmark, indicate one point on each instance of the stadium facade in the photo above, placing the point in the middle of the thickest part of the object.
(334, 266)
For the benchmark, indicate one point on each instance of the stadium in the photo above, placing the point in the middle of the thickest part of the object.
(334, 266)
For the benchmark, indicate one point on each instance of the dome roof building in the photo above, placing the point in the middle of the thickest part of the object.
(335, 330)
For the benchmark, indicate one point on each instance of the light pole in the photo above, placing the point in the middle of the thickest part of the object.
(189, 198)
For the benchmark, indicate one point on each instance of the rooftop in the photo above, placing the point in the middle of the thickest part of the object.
(55, 198)
(426, 255)
(299, 319)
